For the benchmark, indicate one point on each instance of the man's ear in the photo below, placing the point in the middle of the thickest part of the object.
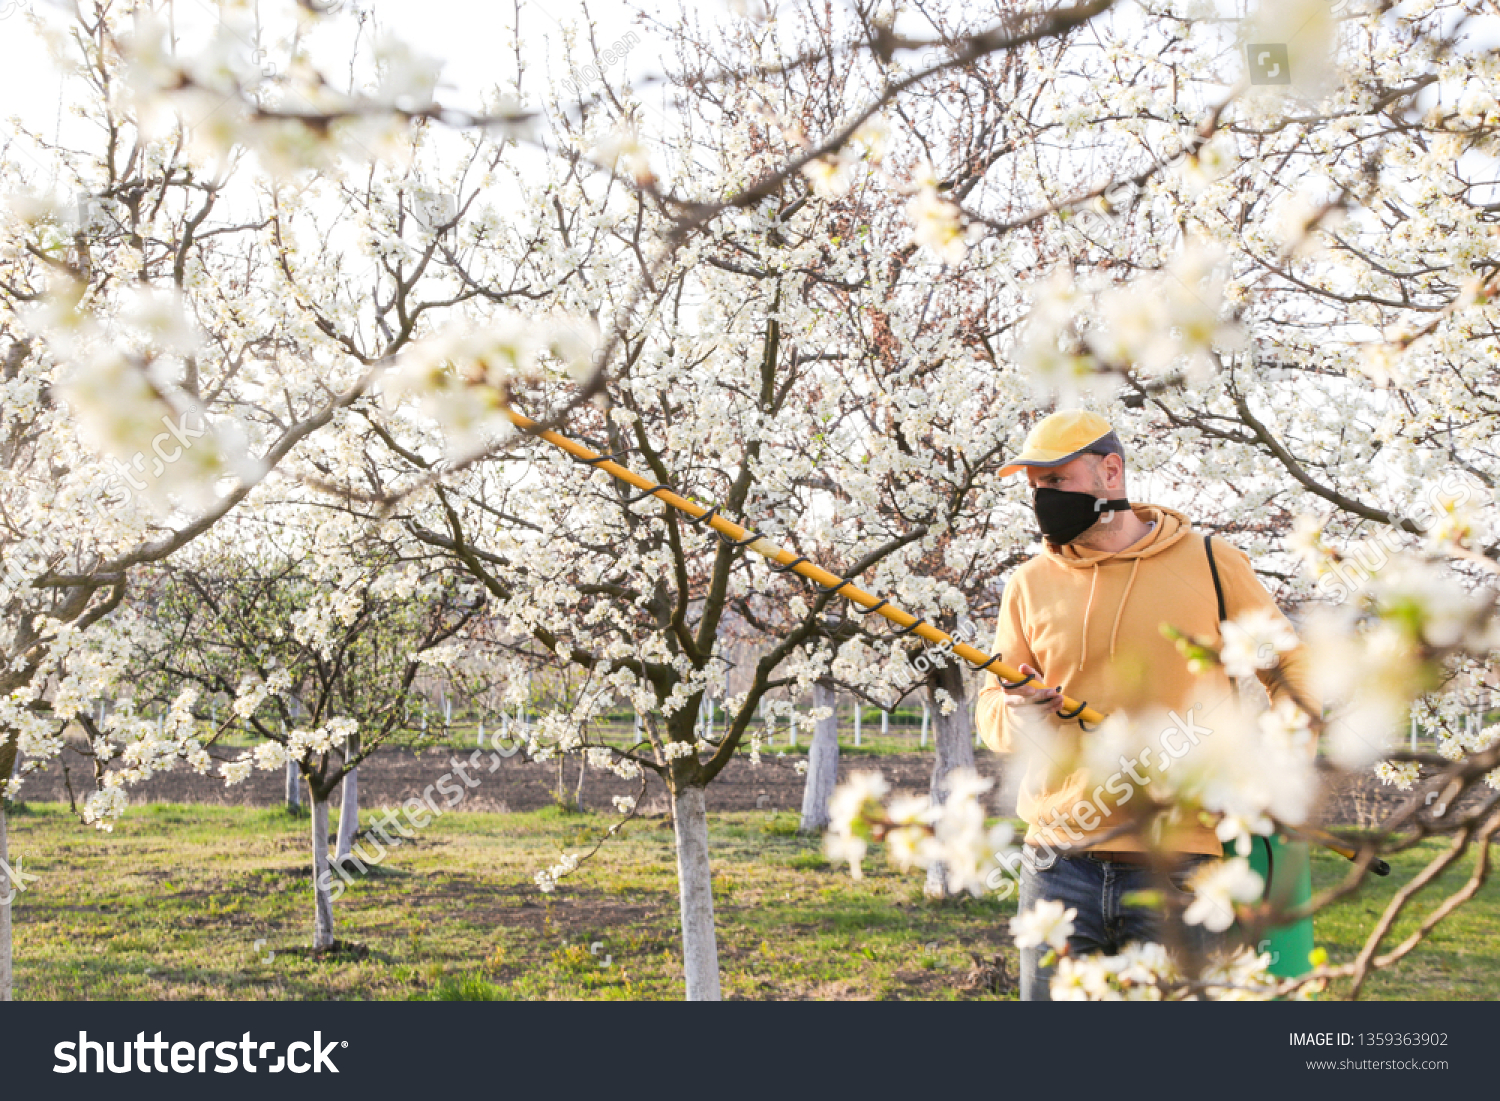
(1112, 473)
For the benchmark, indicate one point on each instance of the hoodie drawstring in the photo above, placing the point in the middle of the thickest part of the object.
(1089, 607)
(1118, 614)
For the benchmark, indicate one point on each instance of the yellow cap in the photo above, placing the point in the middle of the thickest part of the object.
(1062, 437)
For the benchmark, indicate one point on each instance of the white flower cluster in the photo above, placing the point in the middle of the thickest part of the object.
(1147, 972)
(951, 835)
(104, 806)
(937, 223)
(546, 880)
(215, 85)
(1137, 973)
(159, 438)
(38, 739)
(335, 733)
(1163, 321)
(674, 750)
(1244, 976)
(1369, 672)
(238, 770)
(1246, 768)
(1217, 888)
(1047, 922)
(1459, 746)
(269, 755)
(624, 803)
(251, 694)
(1401, 774)
(444, 656)
(831, 176)
(1424, 595)
(316, 624)
(1255, 640)
(460, 378)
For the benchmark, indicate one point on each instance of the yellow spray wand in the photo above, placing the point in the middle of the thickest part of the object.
(788, 561)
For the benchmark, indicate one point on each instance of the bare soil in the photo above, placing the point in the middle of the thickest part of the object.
(393, 775)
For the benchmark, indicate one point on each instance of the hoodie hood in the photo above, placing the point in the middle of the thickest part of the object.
(1171, 527)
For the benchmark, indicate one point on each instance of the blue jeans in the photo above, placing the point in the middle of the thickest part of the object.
(1094, 888)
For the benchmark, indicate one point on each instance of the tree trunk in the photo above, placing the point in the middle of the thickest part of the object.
(822, 763)
(322, 903)
(5, 890)
(955, 749)
(700, 948)
(348, 816)
(293, 788)
(348, 808)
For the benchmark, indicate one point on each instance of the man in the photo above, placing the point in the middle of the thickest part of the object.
(1084, 619)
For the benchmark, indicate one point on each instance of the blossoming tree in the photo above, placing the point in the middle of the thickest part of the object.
(317, 648)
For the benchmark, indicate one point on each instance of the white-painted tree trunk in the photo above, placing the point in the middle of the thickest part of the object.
(348, 806)
(293, 787)
(700, 946)
(955, 749)
(348, 816)
(5, 889)
(822, 763)
(322, 903)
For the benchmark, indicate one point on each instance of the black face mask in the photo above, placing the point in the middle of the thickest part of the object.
(1064, 515)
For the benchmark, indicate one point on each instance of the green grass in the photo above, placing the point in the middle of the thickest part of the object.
(1460, 959)
(187, 901)
(463, 734)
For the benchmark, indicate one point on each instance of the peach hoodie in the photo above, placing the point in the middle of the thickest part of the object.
(1091, 622)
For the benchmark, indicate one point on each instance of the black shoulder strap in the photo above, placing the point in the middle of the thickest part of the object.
(1208, 548)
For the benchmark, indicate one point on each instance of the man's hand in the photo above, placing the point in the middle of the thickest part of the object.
(1030, 703)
